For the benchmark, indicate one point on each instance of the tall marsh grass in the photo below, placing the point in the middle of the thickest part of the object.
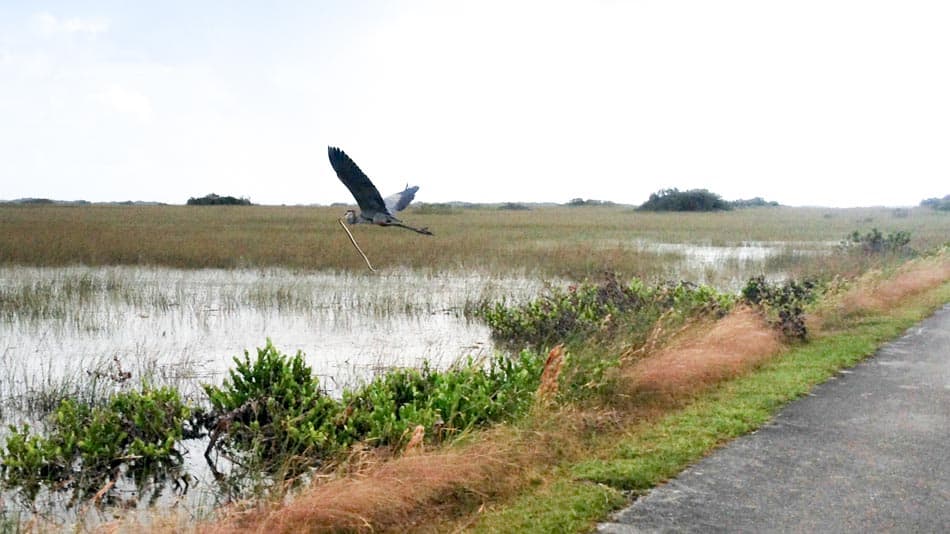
(574, 242)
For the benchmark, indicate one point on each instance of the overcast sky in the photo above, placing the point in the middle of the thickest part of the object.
(831, 103)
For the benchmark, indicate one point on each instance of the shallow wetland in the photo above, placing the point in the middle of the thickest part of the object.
(92, 317)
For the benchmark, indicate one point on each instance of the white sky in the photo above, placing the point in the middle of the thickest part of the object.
(831, 103)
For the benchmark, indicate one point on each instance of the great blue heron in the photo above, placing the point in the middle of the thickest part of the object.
(373, 208)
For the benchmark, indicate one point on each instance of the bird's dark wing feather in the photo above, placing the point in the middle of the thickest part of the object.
(367, 196)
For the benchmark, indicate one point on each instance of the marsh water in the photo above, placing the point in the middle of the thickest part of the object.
(184, 327)
(82, 331)
(64, 329)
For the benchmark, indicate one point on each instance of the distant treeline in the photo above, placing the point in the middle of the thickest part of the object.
(697, 200)
(942, 204)
(692, 200)
(590, 202)
(215, 200)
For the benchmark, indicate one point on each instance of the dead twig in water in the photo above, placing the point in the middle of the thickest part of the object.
(353, 240)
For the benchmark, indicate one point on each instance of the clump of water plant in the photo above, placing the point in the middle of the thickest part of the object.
(590, 317)
(272, 409)
(576, 313)
(271, 413)
(875, 243)
(783, 303)
(472, 393)
(87, 448)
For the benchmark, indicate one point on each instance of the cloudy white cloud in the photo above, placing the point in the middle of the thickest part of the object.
(833, 102)
(48, 24)
(128, 101)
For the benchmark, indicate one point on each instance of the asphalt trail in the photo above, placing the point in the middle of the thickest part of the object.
(868, 451)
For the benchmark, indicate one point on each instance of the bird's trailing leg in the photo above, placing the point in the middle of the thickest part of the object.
(424, 230)
(353, 240)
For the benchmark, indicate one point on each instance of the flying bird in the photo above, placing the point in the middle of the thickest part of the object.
(373, 208)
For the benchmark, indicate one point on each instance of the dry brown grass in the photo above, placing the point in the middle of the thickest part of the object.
(547, 390)
(877, 292)
(407, 492)
(733, 345)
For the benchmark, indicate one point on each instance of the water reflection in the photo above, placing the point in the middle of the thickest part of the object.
(728, 267)
(184, 327)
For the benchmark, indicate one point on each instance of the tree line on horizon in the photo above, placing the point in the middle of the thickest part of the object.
(671, 199)
(216, 200)
(942, 204)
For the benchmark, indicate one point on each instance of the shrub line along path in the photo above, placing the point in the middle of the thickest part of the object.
(865, 451)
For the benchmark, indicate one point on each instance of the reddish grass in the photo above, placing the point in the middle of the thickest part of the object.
(547, 389)
(876, 294)
(733, 345)
(405, 492)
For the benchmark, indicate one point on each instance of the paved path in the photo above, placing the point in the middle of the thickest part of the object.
(866, 451)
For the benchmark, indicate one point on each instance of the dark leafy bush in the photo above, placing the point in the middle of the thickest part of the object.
(575, 313)
(875, 243)
(941, 204)
(783, 303)
(85, 448)
(387, 409)
(216, 200)
(692, 200)
(272, 409)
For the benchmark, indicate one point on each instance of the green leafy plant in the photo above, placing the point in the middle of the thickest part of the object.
(580, 311)
(273, 409)
(876, 243)
(784, 303)
(466, 395)
(587, 315)
(87, 448)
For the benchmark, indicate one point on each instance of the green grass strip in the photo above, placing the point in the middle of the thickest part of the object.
(650, 454)
(564, 506)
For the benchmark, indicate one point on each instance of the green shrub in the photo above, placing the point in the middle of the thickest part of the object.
(575, 314)
(875, 243)
(387, 409)
(273, 409)
(692, 200)
(134, 434)
(589, 317)
(941, 204)
(216, 200)
(272, 412)
(784, 304)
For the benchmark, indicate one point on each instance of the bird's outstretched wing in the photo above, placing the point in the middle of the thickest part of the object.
(400, 200)
(366, 195)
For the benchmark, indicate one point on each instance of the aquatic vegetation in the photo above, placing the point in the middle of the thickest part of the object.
(876, 243)
(448, 401)
(589, 319)
(273, 410)
(272, 414)
(574, 314)
(86, 449)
